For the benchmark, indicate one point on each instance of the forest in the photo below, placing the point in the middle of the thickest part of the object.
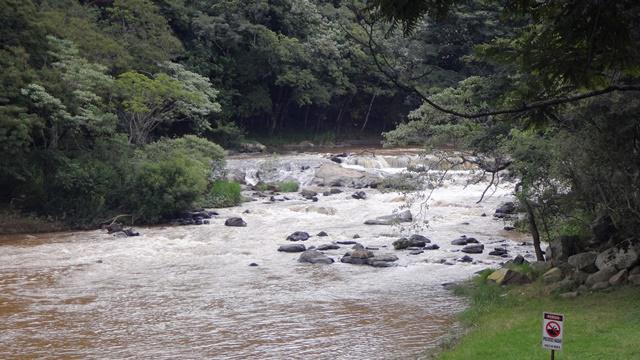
(124, 107)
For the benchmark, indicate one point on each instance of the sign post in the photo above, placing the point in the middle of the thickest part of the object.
(552, 331)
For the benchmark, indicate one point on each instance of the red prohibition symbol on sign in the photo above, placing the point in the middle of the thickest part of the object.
(553, 329)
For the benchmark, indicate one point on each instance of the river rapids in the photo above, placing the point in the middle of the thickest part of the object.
(187, 292)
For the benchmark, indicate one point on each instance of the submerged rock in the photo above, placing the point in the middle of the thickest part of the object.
(324, 247)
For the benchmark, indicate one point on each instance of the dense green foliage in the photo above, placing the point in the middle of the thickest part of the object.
(223, 194)
(89, 87)
(566, 75)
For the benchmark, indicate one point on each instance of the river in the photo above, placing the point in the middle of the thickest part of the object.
(188, 293)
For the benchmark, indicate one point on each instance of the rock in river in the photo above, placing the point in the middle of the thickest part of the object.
(235, 221)
(328, 247)
(292, 248)
(473, 249)
(314, 257)
(404, 216)
(298, 236)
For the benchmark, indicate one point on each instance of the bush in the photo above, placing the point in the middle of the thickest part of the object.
(405, 182)
(288, 186)
(161, 189)
(223, 194)
(280, 186)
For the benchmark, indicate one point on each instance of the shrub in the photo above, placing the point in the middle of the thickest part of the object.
(288, 186)
(279, 186)
(223, 194)
(161, 189)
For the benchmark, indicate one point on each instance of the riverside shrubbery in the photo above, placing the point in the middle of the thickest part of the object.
(151, 183)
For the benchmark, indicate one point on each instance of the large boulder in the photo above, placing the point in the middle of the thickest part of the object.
(235, 221)
(308, 194)
(561, 248)
(359, 256)
(585, 261)
(602, 275)
(619, 278)
(473, 249)
(620, 257)
(292, 248)
(552, 275)
(332, 174)
(417, 237)
(505, 276)
(400, 217)
(314, 257)
(505, 210)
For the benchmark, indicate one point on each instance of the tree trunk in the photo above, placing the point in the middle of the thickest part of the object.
(366, 118)
(533, 226)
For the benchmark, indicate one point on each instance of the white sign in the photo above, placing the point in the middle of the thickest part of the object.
(552, 331)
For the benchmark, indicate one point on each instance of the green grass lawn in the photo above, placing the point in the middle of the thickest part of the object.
(508, 324)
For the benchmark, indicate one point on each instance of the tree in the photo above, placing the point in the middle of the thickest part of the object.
(148, 102)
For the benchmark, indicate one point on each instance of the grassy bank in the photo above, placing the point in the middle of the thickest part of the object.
(506, 323)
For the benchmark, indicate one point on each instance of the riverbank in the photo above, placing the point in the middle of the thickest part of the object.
(13, 222)
(504, 323)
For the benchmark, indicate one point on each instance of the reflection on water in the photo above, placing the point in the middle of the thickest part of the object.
(188, 292)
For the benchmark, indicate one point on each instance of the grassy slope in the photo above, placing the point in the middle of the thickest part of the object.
(507, 325)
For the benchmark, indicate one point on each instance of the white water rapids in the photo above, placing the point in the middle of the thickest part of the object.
(188, 292)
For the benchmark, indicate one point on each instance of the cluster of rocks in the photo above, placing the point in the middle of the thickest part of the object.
(574, 266)
(362, 256)
(471, 245)
(416, 244)
(118, 230)
(358, 255)
(197, 217)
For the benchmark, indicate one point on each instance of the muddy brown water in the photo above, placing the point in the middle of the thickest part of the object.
(188, 292)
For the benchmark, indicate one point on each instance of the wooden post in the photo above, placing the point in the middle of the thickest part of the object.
(553, 354)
